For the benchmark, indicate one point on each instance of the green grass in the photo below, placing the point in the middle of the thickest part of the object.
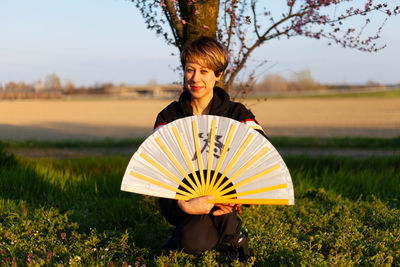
(336, 142)
(384, 94)
(277, 141)
(353, 179)
(395, 93)
(71, 211)
(106, 143)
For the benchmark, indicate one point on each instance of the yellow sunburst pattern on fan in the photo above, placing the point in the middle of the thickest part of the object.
(209, 155)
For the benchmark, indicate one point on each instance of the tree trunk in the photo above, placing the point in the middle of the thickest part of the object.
(200, 18)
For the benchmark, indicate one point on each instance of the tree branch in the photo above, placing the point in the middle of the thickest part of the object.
(253, 9)
(258, 42)
(231, 24)
(174, 21)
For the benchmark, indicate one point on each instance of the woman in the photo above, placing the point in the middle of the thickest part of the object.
(199, 224)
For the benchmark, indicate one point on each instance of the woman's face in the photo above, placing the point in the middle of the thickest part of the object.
(200, 81)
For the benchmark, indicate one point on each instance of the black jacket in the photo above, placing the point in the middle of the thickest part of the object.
(221, 105)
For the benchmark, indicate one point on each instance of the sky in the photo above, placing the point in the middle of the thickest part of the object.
(96, 41)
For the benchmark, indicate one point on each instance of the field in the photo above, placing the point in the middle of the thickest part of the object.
(69, 210)
(94, 119)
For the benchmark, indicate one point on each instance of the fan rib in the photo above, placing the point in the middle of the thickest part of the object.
(221, 158)
(198, 153)
(254, 191)
(233, 161)
(181, 197)
(158, 183)
(250, 201)
(187, 158)
(248, 180)
(177, 165)
(210, 154)
(242, 169)
(167, 173)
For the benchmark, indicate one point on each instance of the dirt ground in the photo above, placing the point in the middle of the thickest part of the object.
(93, 119)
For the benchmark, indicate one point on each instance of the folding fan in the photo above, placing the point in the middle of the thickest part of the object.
(209, 155)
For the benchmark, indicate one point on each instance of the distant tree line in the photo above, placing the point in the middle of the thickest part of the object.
(298, 82)
(52, 87)
(52, 82)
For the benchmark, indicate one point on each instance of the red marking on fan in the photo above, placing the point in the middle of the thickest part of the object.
(159, 125)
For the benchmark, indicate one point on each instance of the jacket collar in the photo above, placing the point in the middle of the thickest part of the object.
(219, 103)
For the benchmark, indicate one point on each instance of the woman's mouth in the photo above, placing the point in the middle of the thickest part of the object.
(196, 88)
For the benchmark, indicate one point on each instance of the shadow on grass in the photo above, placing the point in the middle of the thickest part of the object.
(365, 178)
(70, 131)
(86, 189)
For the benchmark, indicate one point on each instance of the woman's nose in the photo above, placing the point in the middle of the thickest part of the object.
(195, 76)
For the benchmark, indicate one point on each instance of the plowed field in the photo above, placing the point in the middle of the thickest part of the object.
(89, 119)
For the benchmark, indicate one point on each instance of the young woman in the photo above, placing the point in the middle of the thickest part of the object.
(199, 224)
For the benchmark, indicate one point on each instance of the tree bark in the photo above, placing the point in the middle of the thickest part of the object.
(200, 18)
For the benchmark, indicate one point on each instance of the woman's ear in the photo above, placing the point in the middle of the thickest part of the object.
(218, 74)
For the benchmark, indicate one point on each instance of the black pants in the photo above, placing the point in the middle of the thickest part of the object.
(198, 233)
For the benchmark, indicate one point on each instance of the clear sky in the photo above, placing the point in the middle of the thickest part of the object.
(88, 41)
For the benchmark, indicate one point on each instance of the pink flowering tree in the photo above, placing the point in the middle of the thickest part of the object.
(244, 25)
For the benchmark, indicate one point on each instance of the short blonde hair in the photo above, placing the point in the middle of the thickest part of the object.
(207, 52)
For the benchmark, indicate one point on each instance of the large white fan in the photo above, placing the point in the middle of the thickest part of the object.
(209, 155)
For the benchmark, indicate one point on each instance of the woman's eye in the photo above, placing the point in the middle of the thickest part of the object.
(204, 71)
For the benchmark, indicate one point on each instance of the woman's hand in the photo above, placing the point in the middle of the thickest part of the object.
(196, 206)
(227, 208)
(200, 205)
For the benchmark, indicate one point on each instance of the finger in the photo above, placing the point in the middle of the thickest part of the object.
(238, 209)
(218, 213)
(225, 210)
(221, 212)
(224, 205)
(208, 198)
